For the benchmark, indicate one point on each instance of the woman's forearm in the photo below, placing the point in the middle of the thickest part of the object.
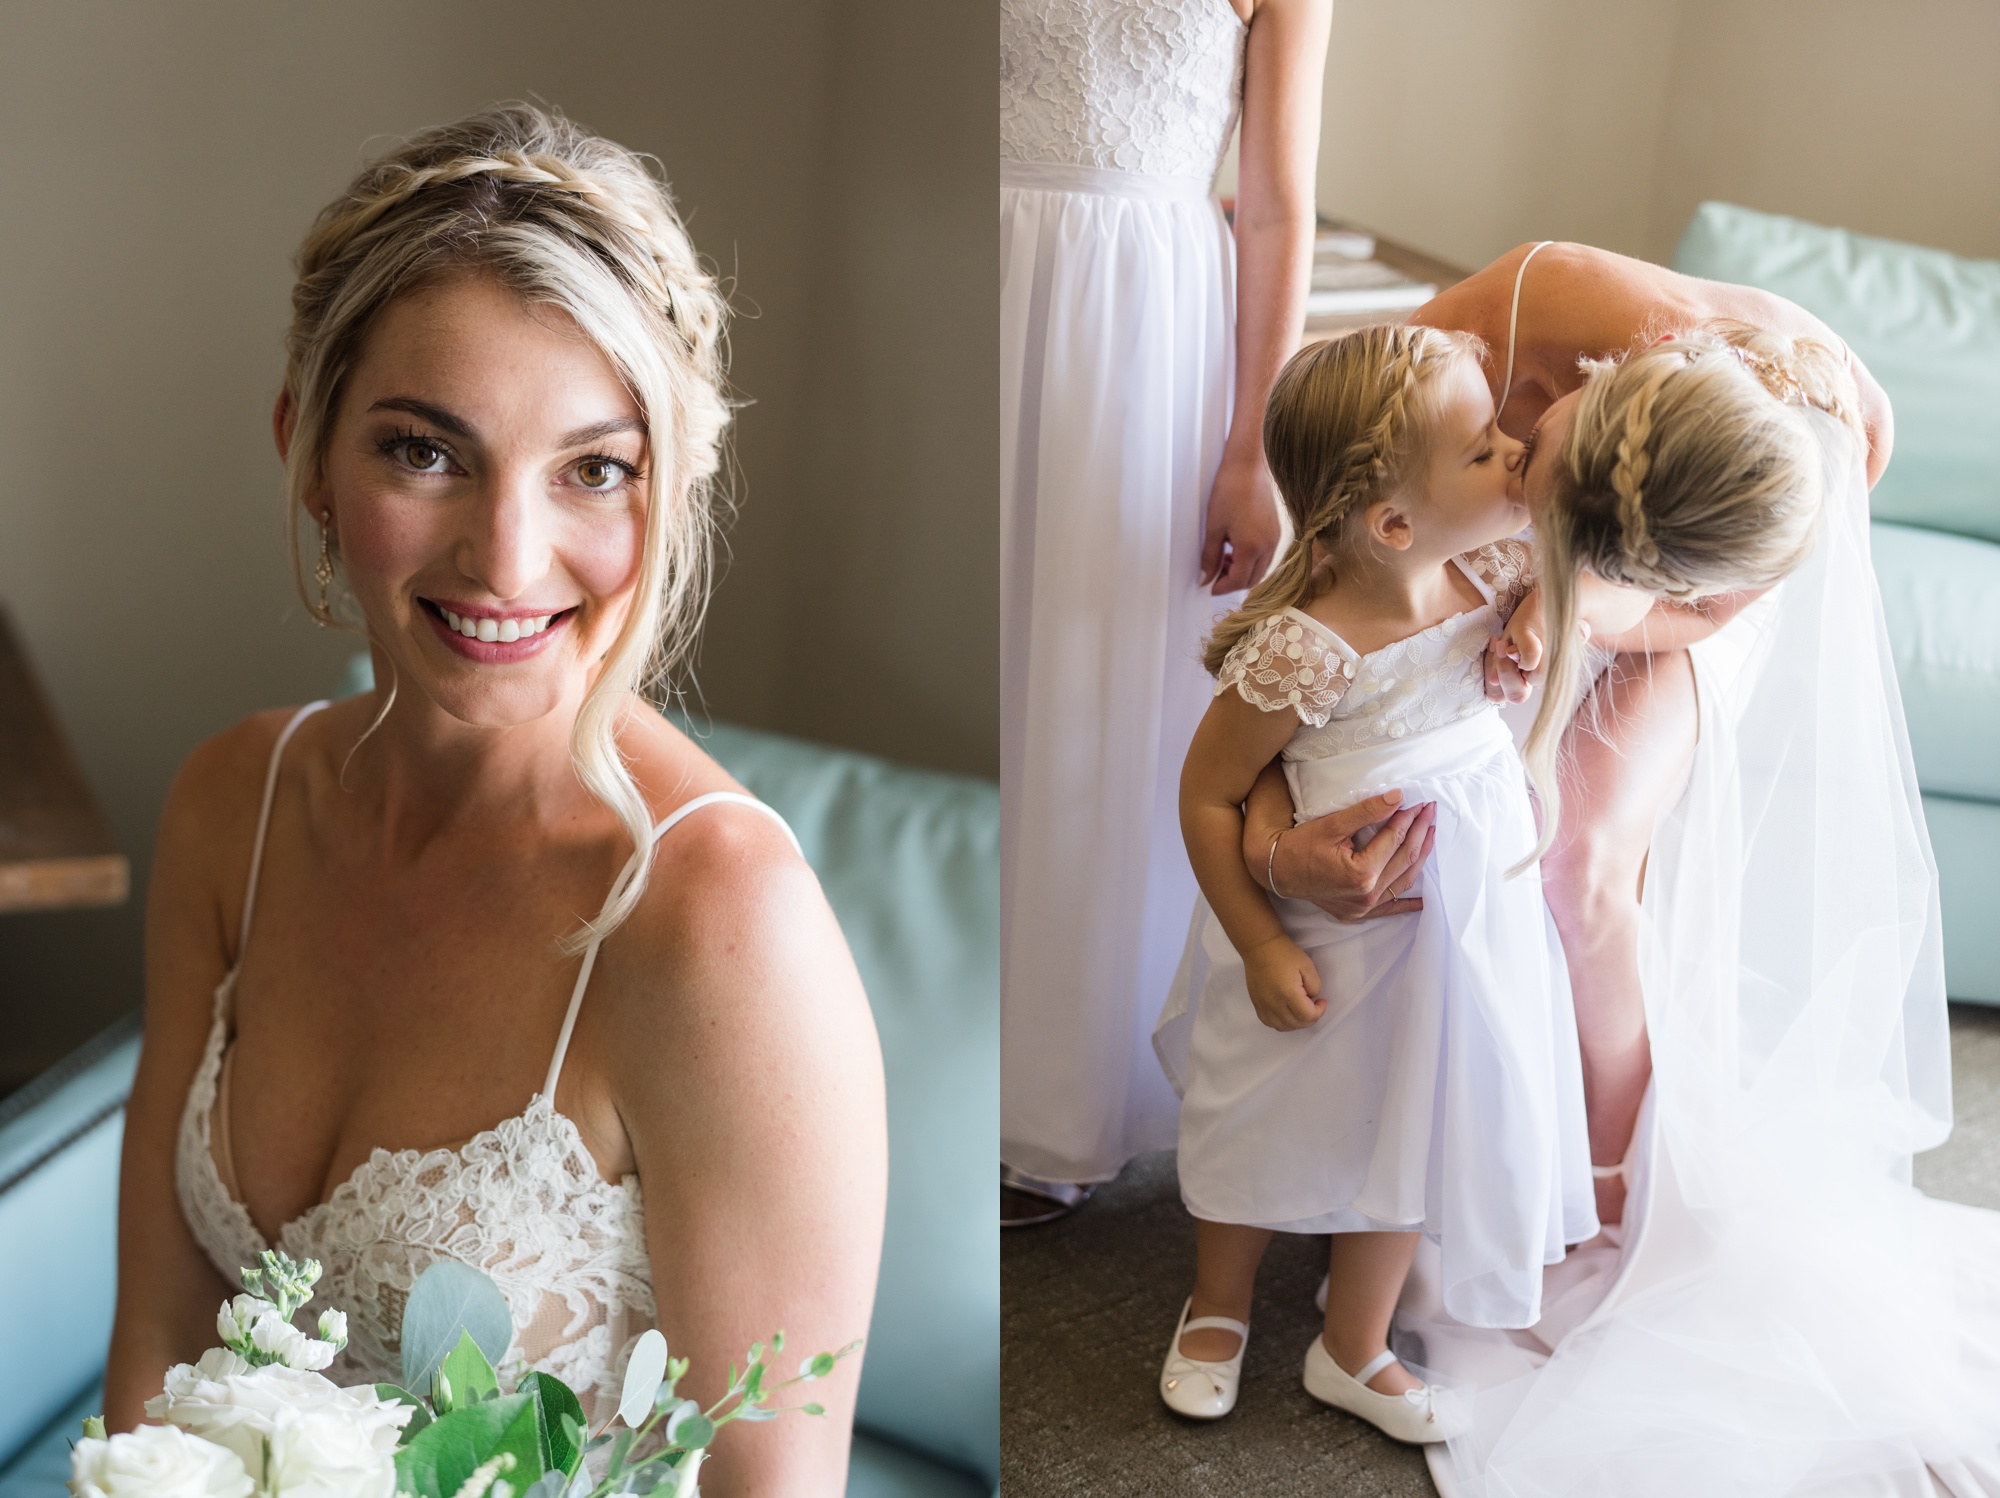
(1672, 625)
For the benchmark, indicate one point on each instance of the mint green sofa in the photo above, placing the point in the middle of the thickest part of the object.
(910, 861)
(1927, 325)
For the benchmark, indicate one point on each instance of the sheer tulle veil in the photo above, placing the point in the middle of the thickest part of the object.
(1788, 1315)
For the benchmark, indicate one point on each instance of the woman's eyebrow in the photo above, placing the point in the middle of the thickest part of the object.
(599, 430)
(436, 415)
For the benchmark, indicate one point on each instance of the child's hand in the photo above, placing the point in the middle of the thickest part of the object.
(1521, 640)
(1284, 984)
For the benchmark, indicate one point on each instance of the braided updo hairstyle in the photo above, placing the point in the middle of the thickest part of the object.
(568, 220)
(1345, 420)
(1688, 470)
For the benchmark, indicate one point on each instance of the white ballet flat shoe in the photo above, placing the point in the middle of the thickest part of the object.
(1410, 1416)
(1202, 1391)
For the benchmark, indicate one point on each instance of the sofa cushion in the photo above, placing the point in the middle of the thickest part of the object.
(1942, 597)
(59, 1146)
(1927, 325)
(911, 863)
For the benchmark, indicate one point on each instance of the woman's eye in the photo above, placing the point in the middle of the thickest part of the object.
(425, 457)
(599, 473)
(1485, 456)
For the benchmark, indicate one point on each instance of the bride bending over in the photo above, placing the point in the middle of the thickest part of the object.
(1749, 909)
(494, 964)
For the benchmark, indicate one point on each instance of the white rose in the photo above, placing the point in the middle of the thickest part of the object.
(330, 1455)
(238, 1316)
(156, 1461)
(289, 1345)
(241, 1409)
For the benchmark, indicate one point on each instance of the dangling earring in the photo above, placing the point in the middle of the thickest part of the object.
(323, 572)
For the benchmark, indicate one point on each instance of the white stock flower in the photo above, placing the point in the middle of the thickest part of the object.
(289, 1345)
(156, 1461)
(331, 1454)
(241, 1409)
(333, 1326)
(238, 1317)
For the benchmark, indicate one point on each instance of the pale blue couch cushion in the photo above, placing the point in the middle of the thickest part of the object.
(59, 1142)
(1965, 836)
(1941, 594)
(1927, 325)
(911, 863)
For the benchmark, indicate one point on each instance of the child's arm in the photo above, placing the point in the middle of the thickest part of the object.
(1234, 741)
(1605, 610)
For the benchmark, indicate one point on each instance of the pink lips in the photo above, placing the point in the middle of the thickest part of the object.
(495, 652)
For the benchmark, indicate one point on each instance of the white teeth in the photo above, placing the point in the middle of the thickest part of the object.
(450, 618)
(469, 628)
(488, 630)
(504, 631)
(509, 631)
(542, 622)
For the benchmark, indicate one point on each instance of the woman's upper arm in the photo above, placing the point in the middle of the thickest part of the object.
(167, 1290)
(1284, 69)
(750, 1085)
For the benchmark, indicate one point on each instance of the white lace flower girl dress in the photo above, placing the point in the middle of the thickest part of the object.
(1442, 1088)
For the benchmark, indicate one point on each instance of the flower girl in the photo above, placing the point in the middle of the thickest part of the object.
(1377, 1079)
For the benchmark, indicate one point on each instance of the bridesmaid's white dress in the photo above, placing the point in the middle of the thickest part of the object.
(1116, 328)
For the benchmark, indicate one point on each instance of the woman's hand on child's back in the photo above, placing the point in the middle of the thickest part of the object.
(1284, 984)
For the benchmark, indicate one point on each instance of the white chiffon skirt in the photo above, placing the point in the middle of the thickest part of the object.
(1441, 1089)
(1116, 321)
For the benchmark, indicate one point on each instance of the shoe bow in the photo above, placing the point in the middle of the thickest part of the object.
(1180, 1367)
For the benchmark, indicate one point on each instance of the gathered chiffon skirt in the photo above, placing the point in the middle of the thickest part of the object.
(1116, 321)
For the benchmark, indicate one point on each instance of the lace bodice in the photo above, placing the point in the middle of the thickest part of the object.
(1133, 85)
(1344, 700)
(523, 1201)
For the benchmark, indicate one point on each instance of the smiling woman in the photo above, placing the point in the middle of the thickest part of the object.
(500, 419)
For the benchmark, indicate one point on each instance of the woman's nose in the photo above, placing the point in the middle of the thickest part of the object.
(507, 551)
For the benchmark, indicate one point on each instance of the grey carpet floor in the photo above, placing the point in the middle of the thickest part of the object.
(1087, 1305)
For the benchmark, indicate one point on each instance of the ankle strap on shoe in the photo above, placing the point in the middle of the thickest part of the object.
(1374, 1366)
(1216, 1324)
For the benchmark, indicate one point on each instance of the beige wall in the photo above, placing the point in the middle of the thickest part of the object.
(158, 165)
(1467, 128)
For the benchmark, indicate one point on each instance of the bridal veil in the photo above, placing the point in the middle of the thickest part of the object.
(1788, 1314)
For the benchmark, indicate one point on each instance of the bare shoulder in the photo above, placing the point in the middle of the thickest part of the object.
(210, 817)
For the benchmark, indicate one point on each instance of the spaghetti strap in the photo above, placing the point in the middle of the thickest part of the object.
(264, 826)
(632, 866)
(1513, 321)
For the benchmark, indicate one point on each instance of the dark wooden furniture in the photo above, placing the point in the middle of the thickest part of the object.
(56, 850)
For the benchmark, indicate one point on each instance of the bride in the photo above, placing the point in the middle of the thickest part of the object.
(1778, 1311)
(493, 964)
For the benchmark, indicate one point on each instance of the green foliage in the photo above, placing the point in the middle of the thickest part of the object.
(436, 1463)
(560, 1417)
(448, 1300)
(467, 1373)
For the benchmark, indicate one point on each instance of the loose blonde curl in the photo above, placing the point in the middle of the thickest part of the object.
(1345, 419)
(569, 220)
(1688, 470)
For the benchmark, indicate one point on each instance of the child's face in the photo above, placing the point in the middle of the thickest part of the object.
(1468, 493)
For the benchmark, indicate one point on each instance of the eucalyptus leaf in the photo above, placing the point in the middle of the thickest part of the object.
(813, 1409)
(471, 1375)
(696, 1431)
(443, 1455)
(418, 1420)
(548, 1485)
(682, 1412)
(755, 1412)
(450, 1299)
(643, 1375)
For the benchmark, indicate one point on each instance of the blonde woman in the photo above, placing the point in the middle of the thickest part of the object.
(1778, 1310)
(493, 964)
(1139, 339)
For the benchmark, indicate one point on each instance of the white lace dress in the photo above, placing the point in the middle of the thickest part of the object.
(1116, 325)
(1442, 1087)
(523, 1201)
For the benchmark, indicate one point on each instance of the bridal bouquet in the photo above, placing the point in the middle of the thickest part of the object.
(254, 1418)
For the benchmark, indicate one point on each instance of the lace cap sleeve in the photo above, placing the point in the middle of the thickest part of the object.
(1282, 665)
(1508, 568)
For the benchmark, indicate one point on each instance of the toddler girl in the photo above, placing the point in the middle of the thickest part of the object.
(1393, 1076)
